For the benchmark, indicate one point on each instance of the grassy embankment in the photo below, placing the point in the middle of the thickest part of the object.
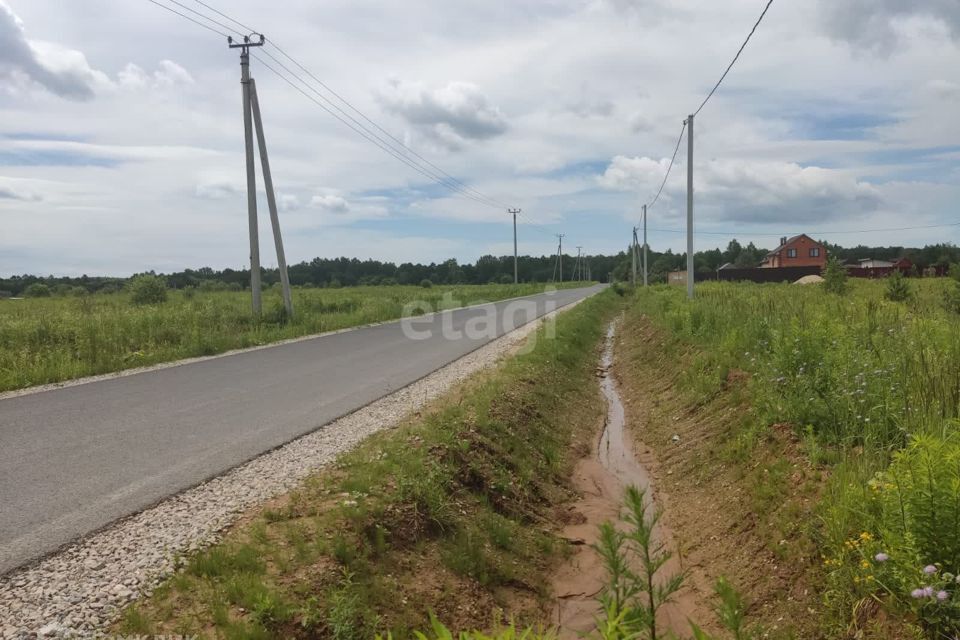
(819, 447)
(453, 512)
(44, 340)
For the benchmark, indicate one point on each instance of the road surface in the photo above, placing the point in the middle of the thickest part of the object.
(75, 459)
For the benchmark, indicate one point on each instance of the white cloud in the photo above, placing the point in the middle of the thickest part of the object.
(287, 202)
(330, 202)
(61, 71)
(450, 115)
(753, 192)
(168, 75)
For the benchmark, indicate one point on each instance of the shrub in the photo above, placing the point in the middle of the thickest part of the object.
(37, 290)
(898, 288)
(425, 283)
(908, 554)
(835, 277)
(147, 289)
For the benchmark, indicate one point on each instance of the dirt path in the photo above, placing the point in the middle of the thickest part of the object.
(601, 478)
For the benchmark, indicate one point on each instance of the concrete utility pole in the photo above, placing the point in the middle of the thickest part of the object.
(514, 212)
(251, 118)
(690, 207)
(645, 282)
(577, 269)
(559, 257)
(633, 257)
(271, 201)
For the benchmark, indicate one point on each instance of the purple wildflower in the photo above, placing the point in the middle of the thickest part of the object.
(942, 595)
(929, 569)
(881, 557)
(916, 594)
(928, 592)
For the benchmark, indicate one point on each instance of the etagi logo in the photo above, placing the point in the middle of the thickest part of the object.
(420, 321)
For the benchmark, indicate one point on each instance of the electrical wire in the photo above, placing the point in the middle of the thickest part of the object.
(437, 175)
(669, 167)
(390, 144)
(403, 146)
(358, 130)
(734, 61)
(186, 17)
(204, 16)
(249, 30)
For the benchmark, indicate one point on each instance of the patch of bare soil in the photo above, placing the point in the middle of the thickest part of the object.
(600, 478)
(744, 518)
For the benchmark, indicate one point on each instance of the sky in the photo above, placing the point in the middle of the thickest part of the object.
(121, 133)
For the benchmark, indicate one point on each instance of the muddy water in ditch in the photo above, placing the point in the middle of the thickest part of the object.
(601, 479)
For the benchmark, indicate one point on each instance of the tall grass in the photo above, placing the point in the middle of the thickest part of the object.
(866, 381)
(44, 340)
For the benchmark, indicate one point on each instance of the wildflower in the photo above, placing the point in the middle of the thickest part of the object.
(942, 595)
(929, 569)
(928, 592)
(866, 536)
(881, 557)
(864, 564)
(916, 594)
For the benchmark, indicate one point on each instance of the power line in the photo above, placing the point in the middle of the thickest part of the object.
(385, 144)
(734, 61)
(202, 15)
(249, 30)
(403, 146)
(361, 131)
(670, 166)
(390, 145)
(186, 17)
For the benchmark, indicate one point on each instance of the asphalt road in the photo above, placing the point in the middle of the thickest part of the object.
(74, 459)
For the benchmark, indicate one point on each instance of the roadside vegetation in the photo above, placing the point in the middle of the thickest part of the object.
(453, 513)
(862, 495)
(51, 338)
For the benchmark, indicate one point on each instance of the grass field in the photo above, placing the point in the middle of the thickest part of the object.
(44, 340)
(871, 387)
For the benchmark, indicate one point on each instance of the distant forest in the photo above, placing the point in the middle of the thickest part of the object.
(337, 272)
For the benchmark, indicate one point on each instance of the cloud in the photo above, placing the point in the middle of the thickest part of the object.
(61, 71)
(331, 203)
(9, 193)
(752, 191)
(218, 190)
(168, 74)
(878, 24)
(287, 202)
(944, 89)
(450, 115)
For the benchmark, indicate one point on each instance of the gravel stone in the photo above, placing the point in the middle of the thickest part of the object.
(91, 580)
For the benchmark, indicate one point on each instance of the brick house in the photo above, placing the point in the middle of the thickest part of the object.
(798, 251)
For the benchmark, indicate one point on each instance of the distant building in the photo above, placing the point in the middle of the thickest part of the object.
(871, 263)
(798, 251)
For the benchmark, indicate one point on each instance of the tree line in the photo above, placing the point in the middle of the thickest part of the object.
(348, 272)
